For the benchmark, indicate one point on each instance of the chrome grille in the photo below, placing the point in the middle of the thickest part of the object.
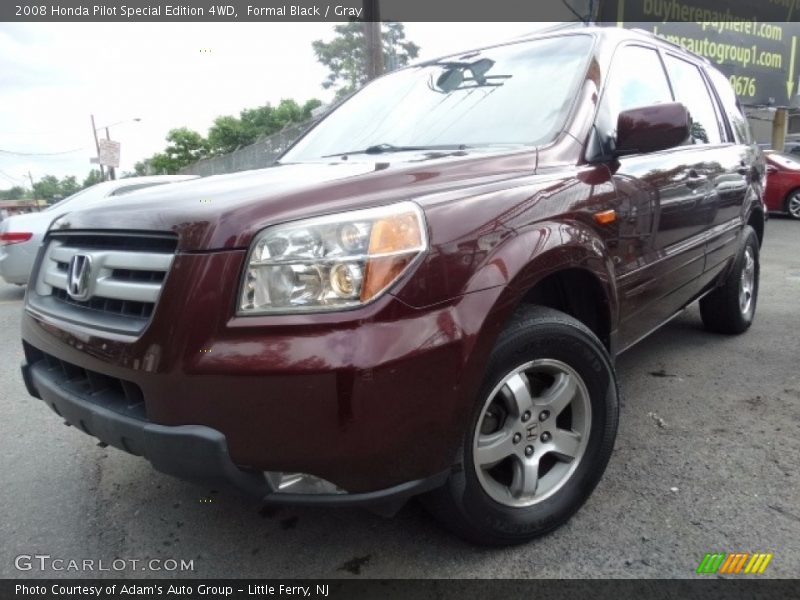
(125, 278)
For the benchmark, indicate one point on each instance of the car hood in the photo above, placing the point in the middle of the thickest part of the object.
(226, 211)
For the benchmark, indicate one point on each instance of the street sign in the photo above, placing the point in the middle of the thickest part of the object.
(109, 153)
(745, 39)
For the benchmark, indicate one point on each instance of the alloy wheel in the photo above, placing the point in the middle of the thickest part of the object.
(793, 205)
(532, 433)
(747, 282)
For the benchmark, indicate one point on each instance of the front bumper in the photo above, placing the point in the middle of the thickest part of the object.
(192, 452)
(368, 399)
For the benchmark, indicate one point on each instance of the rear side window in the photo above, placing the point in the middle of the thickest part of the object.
(637, 79)
(732, 108)
(691, 90)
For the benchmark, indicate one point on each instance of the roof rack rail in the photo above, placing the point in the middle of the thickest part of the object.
(670, 43)
(564, 26)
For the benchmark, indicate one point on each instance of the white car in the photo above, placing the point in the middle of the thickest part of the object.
(20, 235)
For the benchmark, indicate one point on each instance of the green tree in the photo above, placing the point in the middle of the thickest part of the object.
(185, 147)
(142, 168)
(229, 133)
(15, 193)
(92, 178)
(47, 188)
(69, 185)
(345, 55)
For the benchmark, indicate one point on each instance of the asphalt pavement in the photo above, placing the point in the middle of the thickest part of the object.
(706, 461)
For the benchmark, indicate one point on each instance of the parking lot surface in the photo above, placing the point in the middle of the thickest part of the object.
(706, 460)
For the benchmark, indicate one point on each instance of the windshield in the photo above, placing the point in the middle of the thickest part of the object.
(510, 95)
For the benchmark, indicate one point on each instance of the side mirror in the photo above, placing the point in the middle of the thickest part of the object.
(652, 128)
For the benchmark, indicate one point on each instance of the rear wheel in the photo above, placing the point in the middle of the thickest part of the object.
(540, 435)
(793, 204)
(731, 308)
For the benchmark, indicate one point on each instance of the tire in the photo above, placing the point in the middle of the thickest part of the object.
(497, 504)
(792, 206)
(731, 308)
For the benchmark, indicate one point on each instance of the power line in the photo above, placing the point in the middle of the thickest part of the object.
(11, 178)
(12, 152)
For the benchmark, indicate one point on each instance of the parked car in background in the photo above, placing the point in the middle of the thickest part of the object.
(792, 147)
(20, 235)
(425, 295)
(783, 183)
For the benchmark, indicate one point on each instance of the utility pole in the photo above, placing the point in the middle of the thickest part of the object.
(33, 192)
(97, 145)
(112, 173)
(373, 39)
(779, 129)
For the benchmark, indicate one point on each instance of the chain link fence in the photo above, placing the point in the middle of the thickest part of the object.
(258, 155)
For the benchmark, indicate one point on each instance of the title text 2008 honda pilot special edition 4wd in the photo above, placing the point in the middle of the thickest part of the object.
(425, 295)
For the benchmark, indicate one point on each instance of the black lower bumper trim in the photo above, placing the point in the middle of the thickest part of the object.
(194, 452)
(389, 497)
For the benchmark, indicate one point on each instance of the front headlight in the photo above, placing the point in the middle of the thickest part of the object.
(332, 262)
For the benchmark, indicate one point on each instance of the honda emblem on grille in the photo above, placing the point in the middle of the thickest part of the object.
(78, 273)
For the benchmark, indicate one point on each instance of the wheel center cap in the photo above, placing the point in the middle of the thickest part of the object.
(532, 431)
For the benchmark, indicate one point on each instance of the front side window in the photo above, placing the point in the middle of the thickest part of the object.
(690, 89)
(637, 79)
(514, 94)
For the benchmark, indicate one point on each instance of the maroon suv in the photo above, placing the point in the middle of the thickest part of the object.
(424, 295)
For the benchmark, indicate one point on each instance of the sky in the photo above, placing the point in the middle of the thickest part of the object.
(168, 75)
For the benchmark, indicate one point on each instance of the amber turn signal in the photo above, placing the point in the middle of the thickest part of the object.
(605, 217)
(394, 242)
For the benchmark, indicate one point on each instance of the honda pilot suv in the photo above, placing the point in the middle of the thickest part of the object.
(424, 295)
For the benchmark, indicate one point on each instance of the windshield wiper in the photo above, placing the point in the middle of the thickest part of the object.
(385, 148)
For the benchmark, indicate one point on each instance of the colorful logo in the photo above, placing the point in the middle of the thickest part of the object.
(735, 563)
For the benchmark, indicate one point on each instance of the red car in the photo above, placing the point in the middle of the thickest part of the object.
(783, 183)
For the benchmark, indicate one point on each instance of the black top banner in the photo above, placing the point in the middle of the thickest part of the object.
(606, 11)
(298, 10)
(754, 42)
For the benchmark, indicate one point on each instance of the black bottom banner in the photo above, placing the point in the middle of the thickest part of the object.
(548, 589)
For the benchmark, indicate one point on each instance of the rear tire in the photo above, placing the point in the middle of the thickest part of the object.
(540, 434)
(731, 308)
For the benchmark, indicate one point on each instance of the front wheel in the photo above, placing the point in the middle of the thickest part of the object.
(540, 435)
